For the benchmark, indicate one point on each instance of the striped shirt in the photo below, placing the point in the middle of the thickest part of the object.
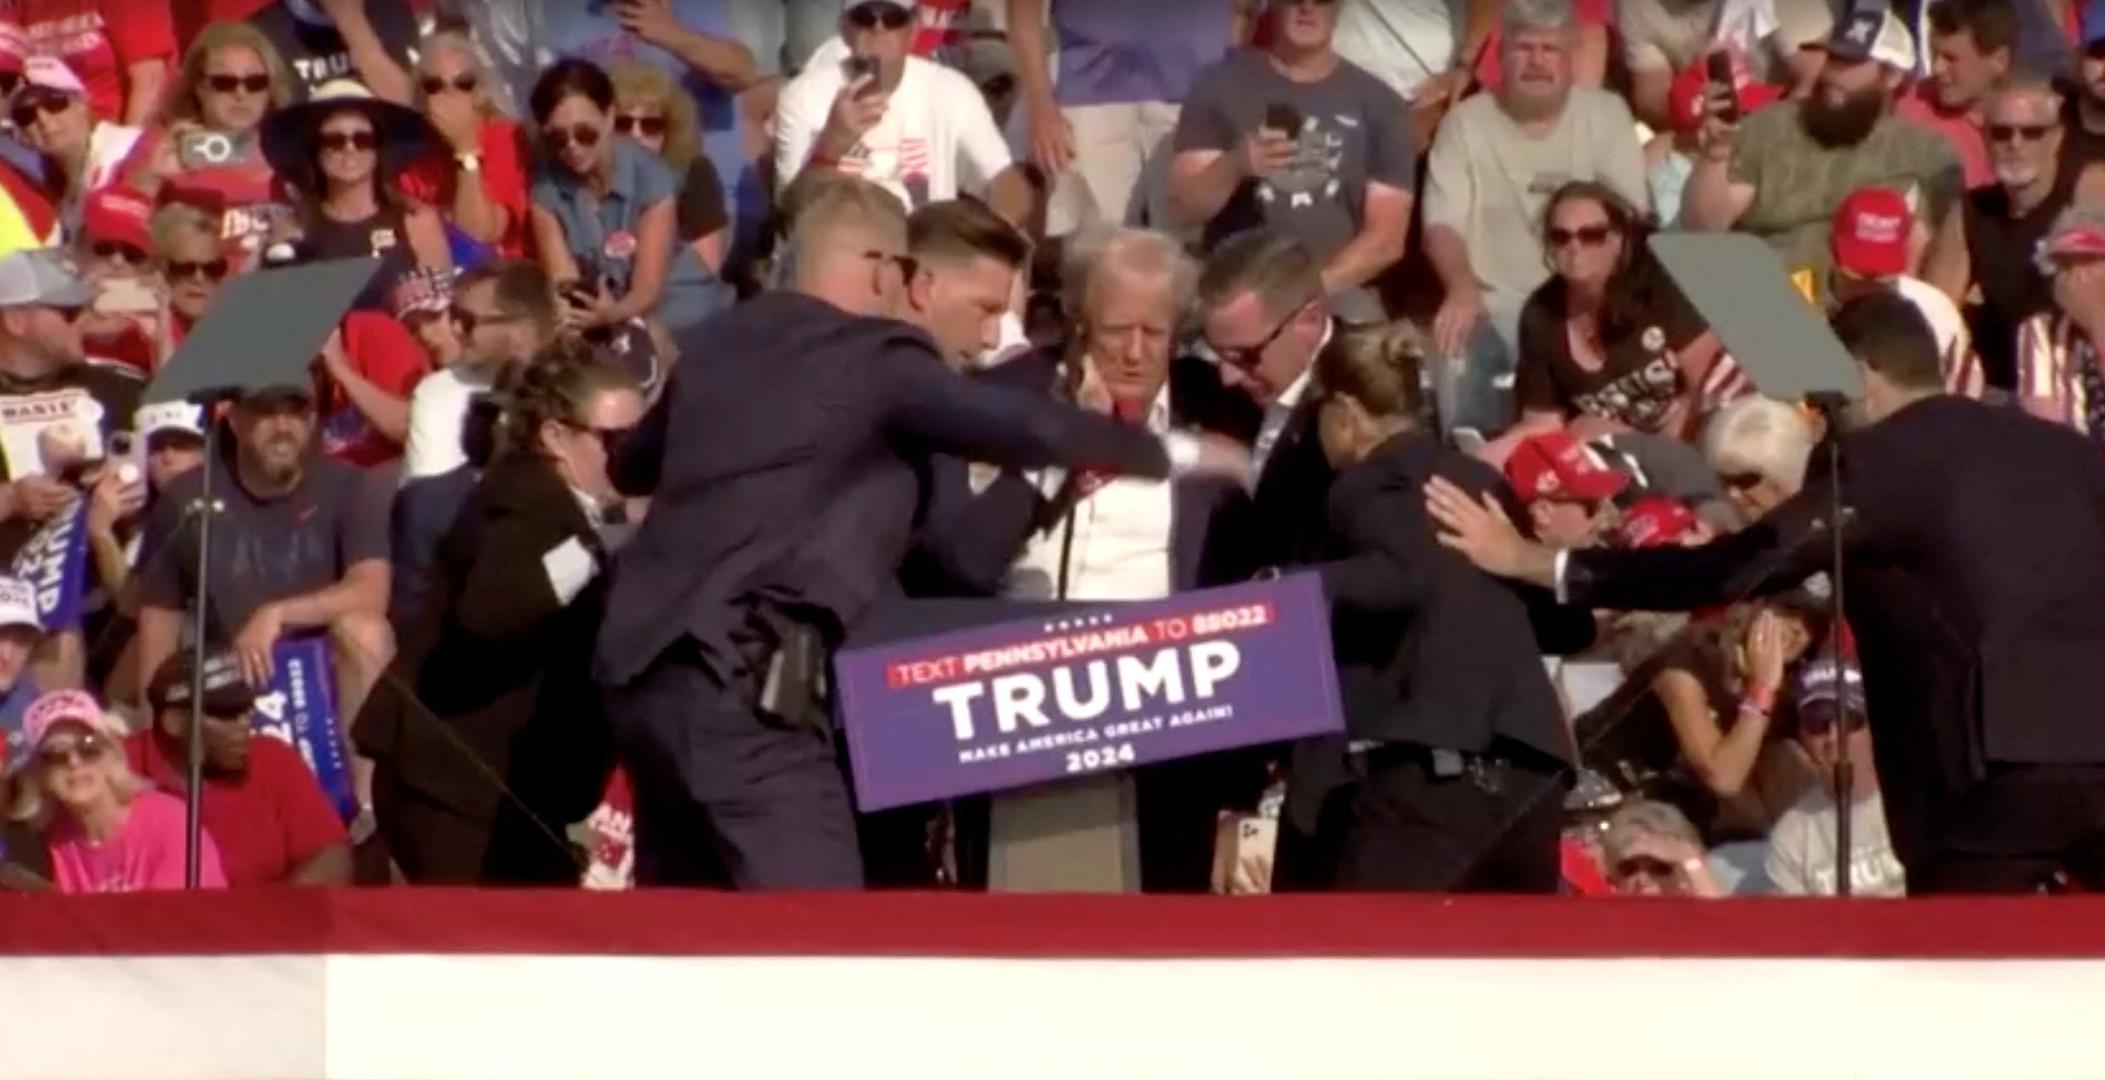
(2057, 370)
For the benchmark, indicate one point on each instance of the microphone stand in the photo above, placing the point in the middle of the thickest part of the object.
(1831, 407)
(206, 508)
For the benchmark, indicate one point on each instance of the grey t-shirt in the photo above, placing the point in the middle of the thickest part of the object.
(1488, 180)
(1353, 130)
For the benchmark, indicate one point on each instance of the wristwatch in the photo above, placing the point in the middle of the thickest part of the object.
(470, 163)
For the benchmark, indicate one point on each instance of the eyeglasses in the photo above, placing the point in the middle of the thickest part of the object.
(1821, 721)
(1247, 356)
(652, 126)
(584, 135)
(215, 270)
(85, 750)
(1742, 481)
(2002, 133)
(34, 102)
(1644, 866)
(347, 140)
(248, 84)
(1586, 235)
(607, 436)
(117, 249)
(872, 16)
(465, 84)
(908, 265)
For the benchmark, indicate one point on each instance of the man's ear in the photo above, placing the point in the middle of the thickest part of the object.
(921, 288)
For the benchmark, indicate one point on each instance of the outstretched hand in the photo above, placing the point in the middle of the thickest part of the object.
(1479, 529)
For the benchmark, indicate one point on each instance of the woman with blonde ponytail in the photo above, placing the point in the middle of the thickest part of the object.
(1462, 756)
(489, 742)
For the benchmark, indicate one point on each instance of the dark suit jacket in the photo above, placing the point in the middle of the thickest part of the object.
(969, 541)
(789, 462)
(498, 665)
(1280, 522)
(424, 510)
(1975, 585)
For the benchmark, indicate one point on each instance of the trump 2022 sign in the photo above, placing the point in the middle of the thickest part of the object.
(1087, 691)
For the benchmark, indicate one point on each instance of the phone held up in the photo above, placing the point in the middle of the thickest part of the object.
(1283, 118)
(1718, 72)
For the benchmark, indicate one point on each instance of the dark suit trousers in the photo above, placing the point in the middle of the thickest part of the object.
(2017, 831)
(436, 844)
(723, 796)
(1399, 828)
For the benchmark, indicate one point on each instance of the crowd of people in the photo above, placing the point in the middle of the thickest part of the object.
(540, 518)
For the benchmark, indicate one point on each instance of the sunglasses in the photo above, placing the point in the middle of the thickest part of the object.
(114, 249)
(652, 126)
(82, 751)
(248, 84)
(872, 16)
(1247, 356)
(215, 270)
(465, 84)
(1742, 481)
(584, 135)
(2002, 133)
(1586, 235)
(1643, 866)
(1820, 721)
(47, 103)
(347, 140)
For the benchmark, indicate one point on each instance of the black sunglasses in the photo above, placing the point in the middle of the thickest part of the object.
(1586, 235)
(872, 16)
(584, 135)
(117, 249)
(2002, 133)
(1647, 867)
(1818, 722)
(652, 126)
(1742, 481)
(347, 140)
(433, 85)
(227, 84)
(1247, 356)
(33, 102)
(215, 270)
(468, 320)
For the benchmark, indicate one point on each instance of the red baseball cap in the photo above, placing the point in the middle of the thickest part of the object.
(1655, 521)
(1684, 96)
(120, 214)
(1553, 465)
(1871, 230)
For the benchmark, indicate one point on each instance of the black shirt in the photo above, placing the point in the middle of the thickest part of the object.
(317, 54)
(96, 398)
(1639, 378)
(1999, 253)
(381, 234)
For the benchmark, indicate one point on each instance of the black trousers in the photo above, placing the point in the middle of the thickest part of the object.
(1400, 828)
(725, 796)
(2025, 829)
(437, 844)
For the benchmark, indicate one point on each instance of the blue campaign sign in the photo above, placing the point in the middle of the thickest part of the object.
(300, 711)
(54, 561)
(1089, 690)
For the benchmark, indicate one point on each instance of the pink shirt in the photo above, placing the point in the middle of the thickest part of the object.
(146, 852)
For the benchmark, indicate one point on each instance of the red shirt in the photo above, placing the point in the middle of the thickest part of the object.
(1919, 107)
(266, 822)
(99, 39)
(192, 16)
(502, 145)
(388, 356)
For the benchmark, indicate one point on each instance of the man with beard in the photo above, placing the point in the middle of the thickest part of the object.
(1494, 163)
(2084, 113)
(1785, 174)
(299, 546)
(1984, 257)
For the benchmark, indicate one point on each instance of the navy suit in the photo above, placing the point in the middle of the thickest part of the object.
(789, 460)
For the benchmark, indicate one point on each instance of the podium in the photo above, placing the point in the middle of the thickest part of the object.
(1080, 835)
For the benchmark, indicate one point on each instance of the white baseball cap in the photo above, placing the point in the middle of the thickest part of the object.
(52, 73)
(18, 604)
(151, 420)
(850, 5)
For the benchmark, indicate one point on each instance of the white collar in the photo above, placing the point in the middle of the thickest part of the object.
(1298, 389)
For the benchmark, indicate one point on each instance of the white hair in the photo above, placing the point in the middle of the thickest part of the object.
(1763, 437)
(1555, 15)
(1098, 252)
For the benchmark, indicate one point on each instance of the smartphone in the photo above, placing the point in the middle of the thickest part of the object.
(1284, 118)
(856, 67)
(1718, 69)
(127, 453)
(202, 149)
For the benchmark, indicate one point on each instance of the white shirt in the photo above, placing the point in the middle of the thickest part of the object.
(438, 414)
(937, 136)
(1282, 408)
(1801, 860)
(1121, 541)
(1400, 42)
